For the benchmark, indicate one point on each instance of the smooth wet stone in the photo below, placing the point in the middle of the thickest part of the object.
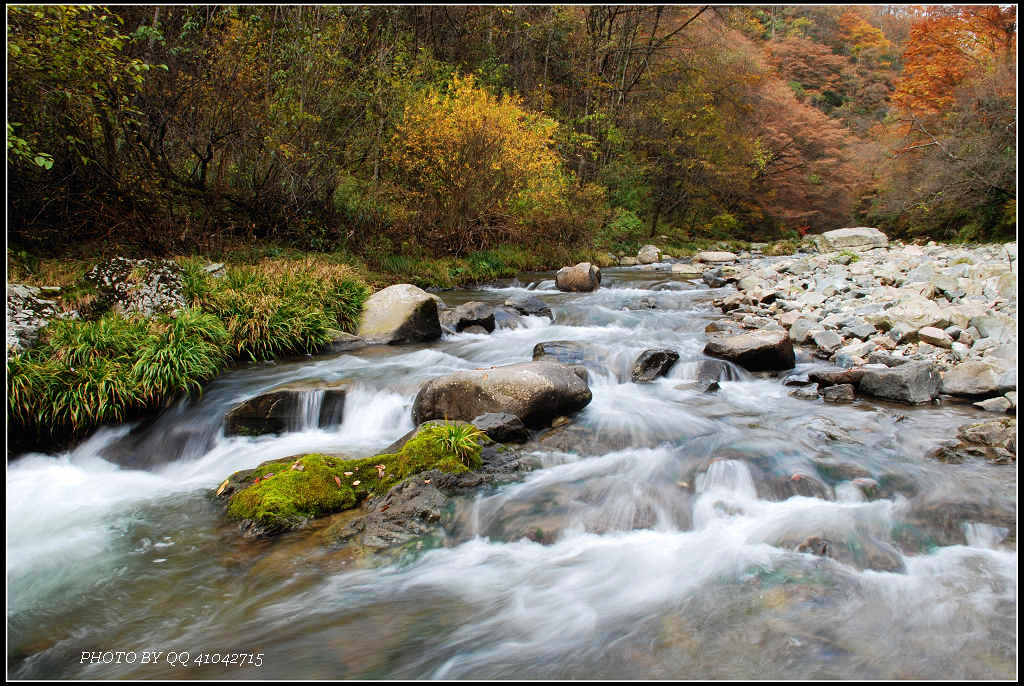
(471, 314)
(280, 409)
(502, 427)
(653, 363)
(977, 378)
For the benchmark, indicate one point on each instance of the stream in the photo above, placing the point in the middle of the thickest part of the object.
(655, 537)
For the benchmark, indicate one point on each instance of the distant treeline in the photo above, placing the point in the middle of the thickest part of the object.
(447, 130)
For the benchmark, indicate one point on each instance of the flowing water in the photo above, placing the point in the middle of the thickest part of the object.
(656, 537)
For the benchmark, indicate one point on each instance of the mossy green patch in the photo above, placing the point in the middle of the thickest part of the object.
(284, 493)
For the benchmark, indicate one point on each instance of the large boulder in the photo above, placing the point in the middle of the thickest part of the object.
(401, 313)
(653, 363)
(649, 254)
(855, 237)
(978, 378)
(529, 304)
(756, 351)
(285, 408)
(913, 382)
(715, 257)
(583, 277)
(535, 392)
(469, 314)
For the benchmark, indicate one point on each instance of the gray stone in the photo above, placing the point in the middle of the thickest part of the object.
(502, 427)
(936, 337)
(653, 363)
(828, 341)
(281, 409)
(839, 393)
(529, 305)
(999, 404)
(913, 382)
(977, 378)
(401, 313)
(649, 254)
(468, 315)
(716, 257)
(535, 392)
(856, 237)
(757, 351)
(802, 329)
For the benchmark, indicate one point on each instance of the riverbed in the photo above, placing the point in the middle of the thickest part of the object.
(654, 537)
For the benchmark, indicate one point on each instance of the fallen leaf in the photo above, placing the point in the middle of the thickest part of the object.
(384, 509)
(356, 482)
(337, 481)
(222, 487)
(426, 481)
(348, 473)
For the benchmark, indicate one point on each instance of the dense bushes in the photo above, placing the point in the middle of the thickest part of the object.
(477, 168)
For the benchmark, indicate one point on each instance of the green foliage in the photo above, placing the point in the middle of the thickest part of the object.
(623, 233)
(280, 497)
(723, 225)
(461, 440)
(85, 374)
(278, 308)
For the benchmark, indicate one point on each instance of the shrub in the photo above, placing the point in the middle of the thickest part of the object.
(623, 232)
(477, 167)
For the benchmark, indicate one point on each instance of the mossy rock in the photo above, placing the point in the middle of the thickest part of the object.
(281, 495)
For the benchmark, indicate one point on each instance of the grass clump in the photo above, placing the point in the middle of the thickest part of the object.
(83, 374)
(278, 307)
(281, 495)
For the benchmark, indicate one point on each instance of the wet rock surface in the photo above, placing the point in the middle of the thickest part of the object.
(400, 314)
(653, 363)
(535, 392)
(583, 277)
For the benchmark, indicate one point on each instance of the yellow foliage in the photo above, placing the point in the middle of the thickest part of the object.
(478, 166)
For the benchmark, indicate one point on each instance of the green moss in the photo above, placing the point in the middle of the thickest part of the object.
(280, 498)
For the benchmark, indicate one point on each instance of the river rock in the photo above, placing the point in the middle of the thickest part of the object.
(342, 342)
(584, 277)
(827, 341)
(401, 313)
(281, 409)
(468, 315)
(936, 337)
(535, 392)
(839, 393)
(649, 254)
(861, 237)
(529, 305)
(628, 262)
(913, 382)
(715, 257)
(688, 271)
(653, 363)
(502, 427)
(756, 351)
(977, 378)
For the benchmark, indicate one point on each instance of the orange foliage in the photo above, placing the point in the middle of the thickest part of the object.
(948, 47)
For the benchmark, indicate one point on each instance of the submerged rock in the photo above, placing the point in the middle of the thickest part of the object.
(653, 363)
(471, 314)
(529, 304)
(281, 409)
(535, 392)
(401, 313)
